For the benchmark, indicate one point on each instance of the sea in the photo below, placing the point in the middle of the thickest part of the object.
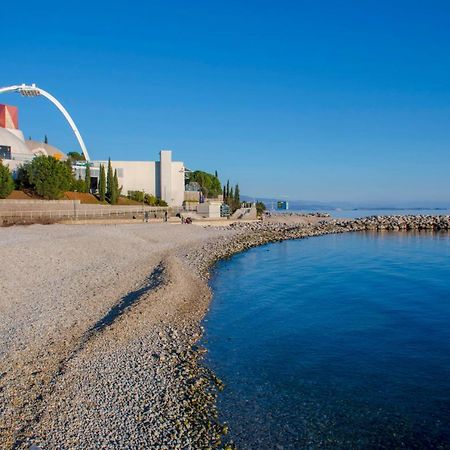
(357, 212)
(339, 342)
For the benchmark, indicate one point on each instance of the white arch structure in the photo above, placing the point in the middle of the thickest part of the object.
(34, 91)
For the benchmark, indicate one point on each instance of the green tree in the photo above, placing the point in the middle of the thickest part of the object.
(110, 181)
(237, 196)
(45, 139)
(233, 197)
(209, 184)
(260, 208)
(22, 181)
(87, 179)
(75, 156)
(224, 193)
(116, 184)
(78, 185)
(115, 189)
(48, 177)
(102, 184)
(6, 181)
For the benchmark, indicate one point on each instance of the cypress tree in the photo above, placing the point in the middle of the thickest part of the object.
(224, 193)
(45, 139)
(102, 183)
(115, 189)
(228, 189)
(215, 174)
(110, 181)
(237, 196)
(231, 196)
(116, 184)
(87, 179)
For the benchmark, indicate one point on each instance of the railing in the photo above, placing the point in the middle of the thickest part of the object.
(82, 215)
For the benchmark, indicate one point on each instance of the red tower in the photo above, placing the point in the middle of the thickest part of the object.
(9, 117)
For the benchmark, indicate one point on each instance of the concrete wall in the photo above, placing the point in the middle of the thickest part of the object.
(177, 183)
(166, 175)
(245, 213)
(136, 176)
(192, 196)
(13, 165)
(209, 210)
(38, 205)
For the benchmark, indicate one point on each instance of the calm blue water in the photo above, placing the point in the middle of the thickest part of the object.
(355, 213)
(340, 341)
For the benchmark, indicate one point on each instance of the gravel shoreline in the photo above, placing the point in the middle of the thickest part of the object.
(75, 372)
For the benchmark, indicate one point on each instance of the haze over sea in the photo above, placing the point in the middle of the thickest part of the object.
(339, 341)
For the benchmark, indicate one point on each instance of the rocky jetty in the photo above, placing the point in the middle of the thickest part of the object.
(399, 223)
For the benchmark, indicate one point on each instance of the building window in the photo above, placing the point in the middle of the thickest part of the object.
(5, 152)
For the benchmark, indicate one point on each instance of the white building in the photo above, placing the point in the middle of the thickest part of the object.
(163, 179)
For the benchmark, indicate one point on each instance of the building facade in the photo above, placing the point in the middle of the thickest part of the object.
(163, 179)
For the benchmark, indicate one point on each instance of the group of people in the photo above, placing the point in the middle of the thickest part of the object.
(184, 220)
(147, 216)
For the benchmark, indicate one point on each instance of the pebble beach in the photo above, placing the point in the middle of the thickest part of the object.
(99, 325)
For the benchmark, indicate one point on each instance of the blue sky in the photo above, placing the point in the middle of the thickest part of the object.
(318, 100)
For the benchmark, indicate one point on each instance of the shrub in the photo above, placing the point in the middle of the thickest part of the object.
(48, 177)
(260, 208)
(78, 185)
(137, 196)
(149, 199)
(154, 201)
(6, 181)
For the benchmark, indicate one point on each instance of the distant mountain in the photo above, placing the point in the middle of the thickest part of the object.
(349, 206)
(293, 204)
